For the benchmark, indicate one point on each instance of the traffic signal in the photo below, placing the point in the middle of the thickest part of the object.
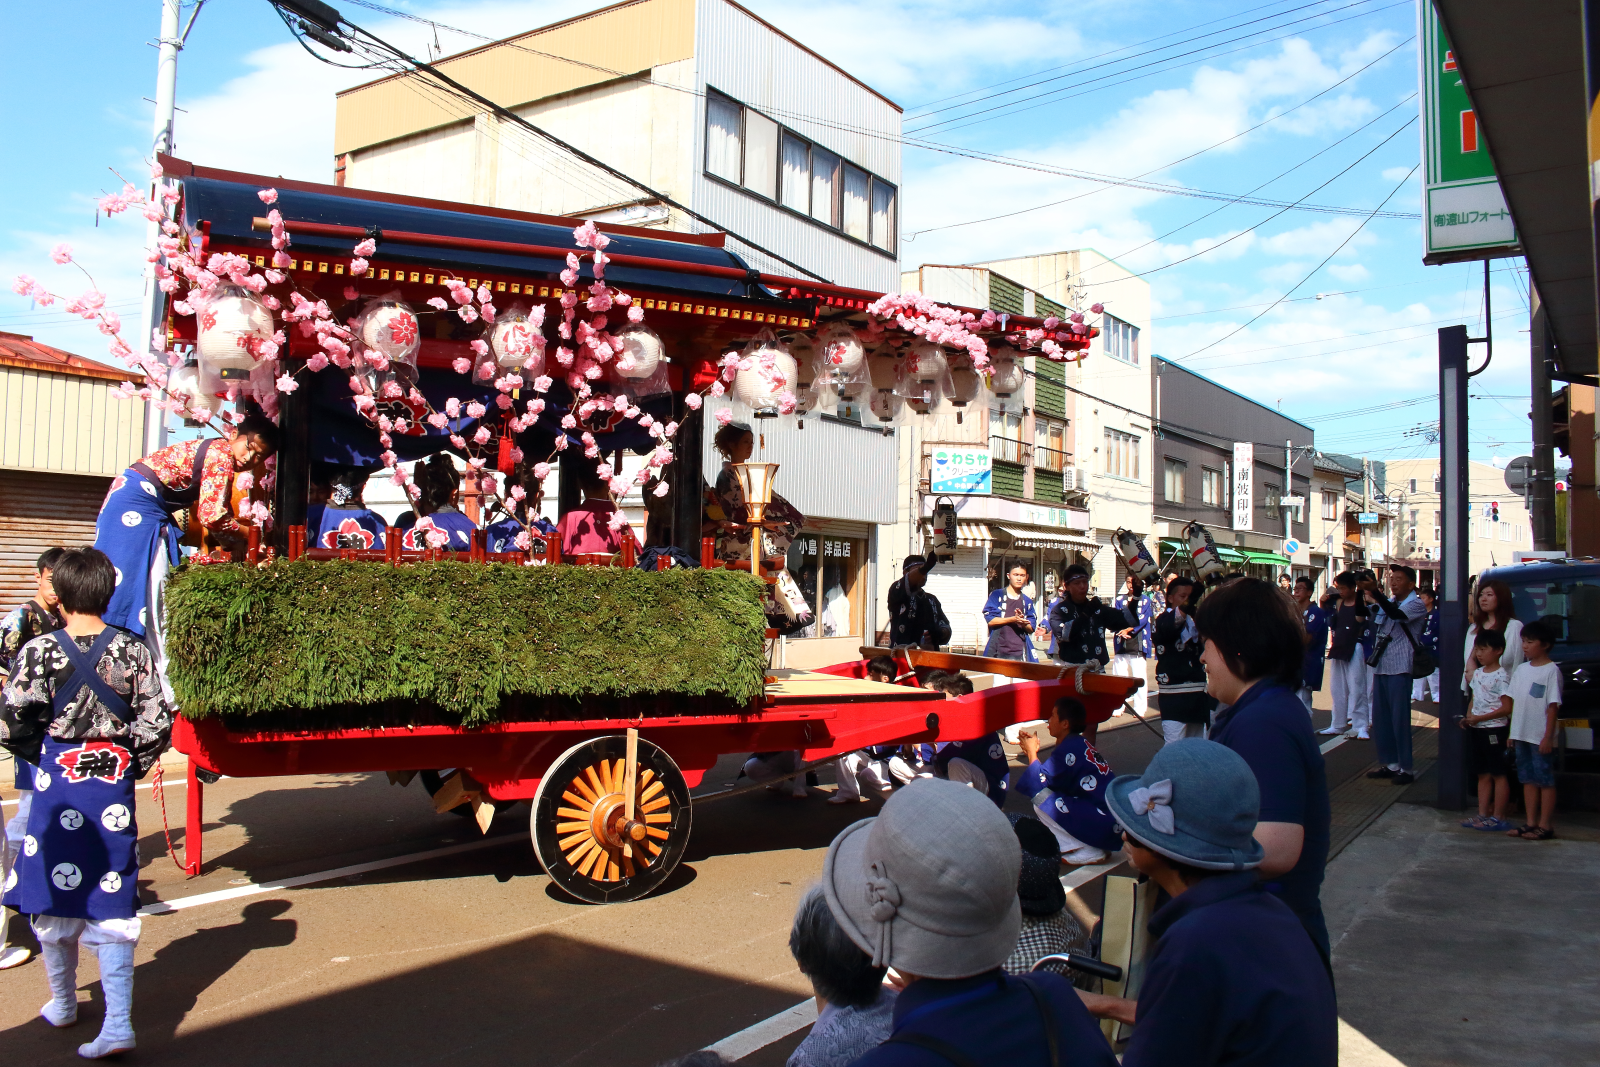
(1494, 511)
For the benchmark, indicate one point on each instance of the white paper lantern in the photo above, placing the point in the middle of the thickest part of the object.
(772, 372)
(926, 377)
(390, 328)
(642, 352)
(232, 328)
(183, 385)
(884, 370)
(840, 351)
(965, 381)
(1005, 371)
(517, 343)
(885, 408)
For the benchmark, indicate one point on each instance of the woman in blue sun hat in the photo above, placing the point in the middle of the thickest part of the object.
(1232, 977)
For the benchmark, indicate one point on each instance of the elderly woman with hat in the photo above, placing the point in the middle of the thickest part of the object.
(929, 889)
(1232, 977)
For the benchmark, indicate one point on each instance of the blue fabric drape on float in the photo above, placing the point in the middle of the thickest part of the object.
(133, 526)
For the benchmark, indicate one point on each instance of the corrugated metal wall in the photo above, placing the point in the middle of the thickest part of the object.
(744, 58)
(66, 424)
(829, 470)
(40, 511)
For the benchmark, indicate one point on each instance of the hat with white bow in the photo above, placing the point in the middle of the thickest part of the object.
(1196, 803)
(929, 887)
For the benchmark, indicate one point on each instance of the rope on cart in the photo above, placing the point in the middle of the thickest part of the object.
(156, 783)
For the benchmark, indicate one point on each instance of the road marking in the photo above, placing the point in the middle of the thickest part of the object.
(170, 785)
(760, 1035)
(166, 907)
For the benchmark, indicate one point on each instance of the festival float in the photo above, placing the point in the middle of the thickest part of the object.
(378, 329)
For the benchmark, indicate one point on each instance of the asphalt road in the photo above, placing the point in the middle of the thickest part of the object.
(473, 954)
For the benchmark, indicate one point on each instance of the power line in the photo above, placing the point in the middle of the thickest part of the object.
(1314, 270)
(1165, 65)
(1184, 159)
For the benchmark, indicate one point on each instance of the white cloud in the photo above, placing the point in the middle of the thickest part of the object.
(1394, 174)
(1349, 273)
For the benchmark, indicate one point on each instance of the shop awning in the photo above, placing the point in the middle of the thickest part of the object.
(1027, 538)
(968, 534)
(1276, 560)
(1172, 548)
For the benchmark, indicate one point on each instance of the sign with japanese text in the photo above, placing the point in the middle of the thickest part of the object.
(961, 472)
(1464, 214)
(1244, 462)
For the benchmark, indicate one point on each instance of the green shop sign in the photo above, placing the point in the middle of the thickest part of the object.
(1464, 212)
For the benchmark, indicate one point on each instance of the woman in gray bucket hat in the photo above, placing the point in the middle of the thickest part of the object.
(1233, 977)
(929, 888)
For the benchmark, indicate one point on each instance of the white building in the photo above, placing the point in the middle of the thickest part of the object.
(699, 100)
(1498, 523)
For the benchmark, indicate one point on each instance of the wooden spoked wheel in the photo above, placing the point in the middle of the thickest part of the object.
(580, 827)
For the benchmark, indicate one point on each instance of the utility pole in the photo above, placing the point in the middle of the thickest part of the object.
(1540, 491)
(154, 308)
(1452, 598)
(1366, 542)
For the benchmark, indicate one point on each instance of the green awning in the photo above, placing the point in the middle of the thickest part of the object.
(1224, 553)
(1252, 556)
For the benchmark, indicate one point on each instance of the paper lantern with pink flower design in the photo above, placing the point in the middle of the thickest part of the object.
(517, 342)
(642, 351)
(389, 328)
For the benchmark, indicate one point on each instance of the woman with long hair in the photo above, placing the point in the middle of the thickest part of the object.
(1492, 610)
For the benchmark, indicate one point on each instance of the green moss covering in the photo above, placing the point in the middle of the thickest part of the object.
(329, 643)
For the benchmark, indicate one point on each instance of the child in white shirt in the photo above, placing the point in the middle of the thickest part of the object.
(1486, 726)
(1533, 701)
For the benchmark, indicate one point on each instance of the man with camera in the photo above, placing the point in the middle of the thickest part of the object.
(1394, 652)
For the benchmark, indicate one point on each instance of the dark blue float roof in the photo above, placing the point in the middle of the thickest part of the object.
(232, 206)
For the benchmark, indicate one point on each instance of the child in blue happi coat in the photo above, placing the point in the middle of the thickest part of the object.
(501, 535)
(85, 706)
(1069, 789)
(979, 762)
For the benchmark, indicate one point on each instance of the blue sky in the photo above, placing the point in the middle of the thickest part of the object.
(255, 101)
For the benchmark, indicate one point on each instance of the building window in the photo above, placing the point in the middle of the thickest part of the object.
(1122, 454)
(1413, 484)
(1121, 339)
(1049, 443)
(1330, 506)
(724, 138)
(1211, 487)
(1438, 525)
(1172, 472)
(1438, 482)
(829, 571)
(748, 149)
(1005, 435)
(1270, 495)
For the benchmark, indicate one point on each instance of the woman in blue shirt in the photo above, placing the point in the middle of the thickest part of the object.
(1068, 790)
(1009, 613)
(1254, 644)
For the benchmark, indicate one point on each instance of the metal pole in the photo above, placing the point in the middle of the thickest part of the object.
(1453, 776)
(1541, 498)
(153, 310)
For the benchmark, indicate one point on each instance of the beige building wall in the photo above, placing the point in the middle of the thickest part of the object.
(66, 424)
(1490, 544)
